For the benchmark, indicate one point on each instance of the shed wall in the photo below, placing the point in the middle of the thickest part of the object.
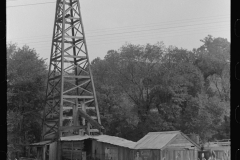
(147, 154)
(180, 141)
(105, 151)
(53, 151)
(179, 154)
(72, 150)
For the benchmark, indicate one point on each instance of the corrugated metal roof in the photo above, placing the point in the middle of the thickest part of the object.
(155, 140)
(74, 138)
(115, 141)
(102, 138)
(40, 143)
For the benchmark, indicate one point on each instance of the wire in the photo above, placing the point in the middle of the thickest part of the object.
(143, 37)
(155, 29)
(40, 50)
(94, 36)
(89, 43)
(160, 28)
(87, 33)
(30, 4)
(17, 0)
(125, 37)
(166, 22)
(124, 41)
(97, 36)
(127, 27)
(120, 38)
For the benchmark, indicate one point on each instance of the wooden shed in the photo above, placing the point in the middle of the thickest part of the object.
(172, 145)
(101, 147)
(41, 149)
(107, 147)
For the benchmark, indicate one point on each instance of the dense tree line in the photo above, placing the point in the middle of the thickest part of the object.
(158, 88)
(26, 81)
(140, 89)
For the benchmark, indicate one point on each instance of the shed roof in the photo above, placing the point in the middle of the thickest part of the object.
(155, 140)
(40, 143)
(158, 140)
(75, 138)
(115, 141)
(102, 138)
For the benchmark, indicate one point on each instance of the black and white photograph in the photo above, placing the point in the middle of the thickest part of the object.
(118, 79)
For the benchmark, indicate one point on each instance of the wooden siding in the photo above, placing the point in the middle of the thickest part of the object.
(147, 154)
(71, 150)
(178, 154)
(175, 150)
(155, 154)
(53, 151)
(179, 140)
(99, 150)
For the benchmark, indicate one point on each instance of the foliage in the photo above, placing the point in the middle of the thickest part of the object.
(140, 89)
(26, 79)
(213, 56)
(165, 88)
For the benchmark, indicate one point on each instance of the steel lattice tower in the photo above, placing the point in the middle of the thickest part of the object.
(70, 87)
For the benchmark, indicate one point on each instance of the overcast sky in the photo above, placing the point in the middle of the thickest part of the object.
(109, 24)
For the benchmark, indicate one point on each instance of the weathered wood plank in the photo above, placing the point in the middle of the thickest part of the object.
(120, 152)
(53, 151)
(80, 97)
(67, 128)
(74, 76)
(179, 139)
(74, 37)
(72, 151)
(72, 56)
(70, 155)
(172, 155)
(72, 145)
(78, 145)
(67, 145)
(43, 153)
(92, 121)
(181, 144)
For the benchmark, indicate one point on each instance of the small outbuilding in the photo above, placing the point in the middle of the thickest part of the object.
(101, 147)
(172, 145)
(41, 148)
(113, 148)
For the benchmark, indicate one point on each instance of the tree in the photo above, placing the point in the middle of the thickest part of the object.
(213, 55)
(177, 83)
(147, 78)
(160, 88)
(26, 79)
(212, 58)
(122, 80)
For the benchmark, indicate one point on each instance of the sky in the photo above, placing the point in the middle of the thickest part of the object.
(109, 24)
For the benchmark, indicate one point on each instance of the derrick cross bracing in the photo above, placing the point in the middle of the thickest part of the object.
(70, 89)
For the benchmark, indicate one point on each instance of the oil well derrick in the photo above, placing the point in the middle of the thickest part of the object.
(71, 106)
